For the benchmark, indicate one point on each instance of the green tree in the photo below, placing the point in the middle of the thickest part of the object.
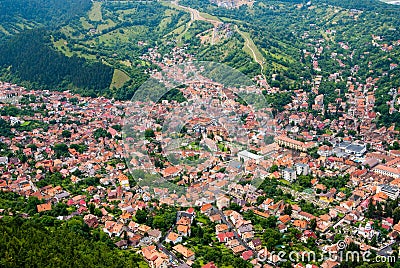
(66, 134)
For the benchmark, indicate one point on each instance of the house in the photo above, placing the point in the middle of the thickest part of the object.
(3, 160)
(387, 171)
(154, 234)
(190, 214)
(170, 172)
(294, 144)
(206, 209)
(184, 251)
(300, 224)
(209, 265)
(221, 228)
(306, 216)
(123, 244)
(247, 236)
(225, 237)
(330, 264)
(118, 229)
(174, 238)
(282, 228)
(238, 249)
(284, 219)
(91, 220)
(43, 207)
(233, 243)
(222, 202)
(245, 228)
(216, 218)
(183, 230)
(267, 202)
(247, 255)
(325, 151)
(135, 240)
(184, 221)
(255, 244)
(154, 258)
(143, 229)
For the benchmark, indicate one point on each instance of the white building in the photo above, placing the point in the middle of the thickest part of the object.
(246, 156)
(302, 169)
(289, 174)
(391, 191)
(387, 171)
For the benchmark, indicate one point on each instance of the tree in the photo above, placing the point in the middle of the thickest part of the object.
(66, 134)
(313, 224)
(270, 244)
(373, 241)
(235, 207)
(273, 168)
(288, 210)
(396, 214)
(61, 149)
(149, 133)
(101, 133)
(141, 216)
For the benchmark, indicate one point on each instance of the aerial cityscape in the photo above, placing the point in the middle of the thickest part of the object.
(200, 133)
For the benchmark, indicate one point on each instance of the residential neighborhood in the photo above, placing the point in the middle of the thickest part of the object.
(196, 195)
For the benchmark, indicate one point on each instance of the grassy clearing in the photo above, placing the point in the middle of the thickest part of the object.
(209, 17)
(95, 12)
(250, 47)
(126, 63)
(4, 30)
(109, 23)
(61, 45)
(119, 79)
(85, 24)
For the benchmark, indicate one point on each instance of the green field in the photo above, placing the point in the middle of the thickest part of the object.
(250, 48)
(95, 12)
(209, 17)
(119, 79)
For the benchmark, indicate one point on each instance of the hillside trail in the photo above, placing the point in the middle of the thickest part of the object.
(196, 15)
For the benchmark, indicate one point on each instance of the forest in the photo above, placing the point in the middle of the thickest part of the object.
(15, 15)
(47, 242)
(31, 60)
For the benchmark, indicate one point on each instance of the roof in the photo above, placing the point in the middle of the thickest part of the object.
(209, 265)
(187, 253)
(183, 229)
(205, 207)
(44, 207)
(284, 218)
(172, 236)
(389, 189)
(247, 255)
(249, 155)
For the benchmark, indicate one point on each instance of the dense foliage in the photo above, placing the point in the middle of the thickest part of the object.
(15, 15)
(46, 242)
(31, 59)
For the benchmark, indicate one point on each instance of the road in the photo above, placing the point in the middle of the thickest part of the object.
(195, 14)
